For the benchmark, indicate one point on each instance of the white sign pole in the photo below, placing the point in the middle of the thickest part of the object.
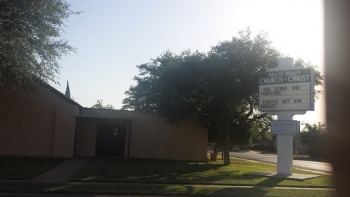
(284, 141)
(285, 146)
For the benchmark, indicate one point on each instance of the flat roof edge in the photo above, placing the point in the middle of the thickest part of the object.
(102, 117)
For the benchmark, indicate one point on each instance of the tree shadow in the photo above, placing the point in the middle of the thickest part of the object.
(260, 189)
(146, 171)
(166, 174)
(272, 181)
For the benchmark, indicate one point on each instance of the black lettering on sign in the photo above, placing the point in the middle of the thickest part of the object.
(272, 93)
(298, 100)
(296, 88)
(282, 88)
(268, 106)
(285, 101)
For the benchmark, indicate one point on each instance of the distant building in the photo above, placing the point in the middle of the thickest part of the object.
(46, 123)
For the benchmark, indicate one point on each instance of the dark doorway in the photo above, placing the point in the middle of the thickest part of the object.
(110, 140)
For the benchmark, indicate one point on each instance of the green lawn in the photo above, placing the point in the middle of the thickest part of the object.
(92, 188)
(159, 171)
(25, 168)
(158, 177)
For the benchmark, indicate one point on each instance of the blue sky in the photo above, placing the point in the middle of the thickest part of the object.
(112, 37)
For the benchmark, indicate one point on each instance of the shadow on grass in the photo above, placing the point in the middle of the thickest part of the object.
(213, 191)
(271, 181)
(87, 188)
(125, 189)
(23, 168)
(145, 171)
(109, 170)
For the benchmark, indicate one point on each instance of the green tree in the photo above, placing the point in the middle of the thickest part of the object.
(311, 133)
(219, 88)
(30, 44)
(315, 137)
(260, 133)
(99, 105)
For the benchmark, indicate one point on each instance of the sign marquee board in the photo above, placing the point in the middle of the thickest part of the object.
(285, 127)
(286, 90)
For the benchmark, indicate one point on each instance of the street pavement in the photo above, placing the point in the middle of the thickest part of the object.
(316, 166)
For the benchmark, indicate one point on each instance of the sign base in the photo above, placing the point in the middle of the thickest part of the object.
(284, 154)
(285, 144)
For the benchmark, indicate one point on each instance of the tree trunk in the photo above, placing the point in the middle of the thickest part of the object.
(227, 149)
(216, 151)
(214, 155)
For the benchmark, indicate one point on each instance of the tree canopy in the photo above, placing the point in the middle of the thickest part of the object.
(219, 87)
(311, 133)
(30, 44)
(99, 105)
(314, 138)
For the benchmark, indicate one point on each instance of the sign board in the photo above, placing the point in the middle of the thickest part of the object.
(286, 90)
(285, 127)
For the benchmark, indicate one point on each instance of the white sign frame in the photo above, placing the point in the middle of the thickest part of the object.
(287, 90)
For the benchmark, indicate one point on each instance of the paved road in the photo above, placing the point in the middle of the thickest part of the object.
(272, 158)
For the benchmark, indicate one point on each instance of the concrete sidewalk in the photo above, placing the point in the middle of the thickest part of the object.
(62, 172)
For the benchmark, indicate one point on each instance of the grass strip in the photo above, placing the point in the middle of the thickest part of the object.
(155, 189)
(18, 168)
(181, 172)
